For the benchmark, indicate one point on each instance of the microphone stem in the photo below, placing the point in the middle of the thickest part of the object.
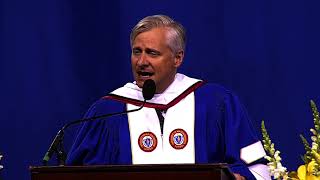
(57, 144)
(101, 116)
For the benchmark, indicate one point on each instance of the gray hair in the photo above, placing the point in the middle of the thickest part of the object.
(176, 44)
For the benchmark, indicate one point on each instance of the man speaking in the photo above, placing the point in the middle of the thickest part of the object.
(187, 120)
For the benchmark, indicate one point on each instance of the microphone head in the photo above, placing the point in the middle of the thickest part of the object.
(148, 89)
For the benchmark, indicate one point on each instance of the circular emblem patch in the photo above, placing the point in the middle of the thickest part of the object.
(178, 138)
(147, 141)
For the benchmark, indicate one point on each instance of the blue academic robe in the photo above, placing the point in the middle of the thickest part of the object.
(222, 128)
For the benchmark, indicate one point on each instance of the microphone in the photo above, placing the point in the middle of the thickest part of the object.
(148, 91)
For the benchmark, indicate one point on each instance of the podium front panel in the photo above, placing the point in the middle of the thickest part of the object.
(134, 172)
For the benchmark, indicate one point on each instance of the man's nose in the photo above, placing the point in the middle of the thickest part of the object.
(143, 60)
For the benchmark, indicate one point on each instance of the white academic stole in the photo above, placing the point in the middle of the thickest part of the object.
(175, 145)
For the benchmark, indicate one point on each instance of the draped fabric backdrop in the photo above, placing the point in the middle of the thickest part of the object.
(58, 57)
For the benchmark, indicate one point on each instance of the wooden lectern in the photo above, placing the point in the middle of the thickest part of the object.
(133, 172)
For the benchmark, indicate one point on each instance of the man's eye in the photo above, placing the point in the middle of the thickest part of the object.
(136, 51)
(153, 53)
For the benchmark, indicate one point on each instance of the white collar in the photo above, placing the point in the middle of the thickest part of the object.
(180, 84)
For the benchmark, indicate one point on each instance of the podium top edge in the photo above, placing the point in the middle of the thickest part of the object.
(130, 167)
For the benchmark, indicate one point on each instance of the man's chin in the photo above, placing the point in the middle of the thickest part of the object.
(139, 83)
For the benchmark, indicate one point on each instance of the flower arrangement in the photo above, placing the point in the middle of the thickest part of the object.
(310, 170)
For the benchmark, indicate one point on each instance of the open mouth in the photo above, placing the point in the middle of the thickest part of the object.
(145, 74)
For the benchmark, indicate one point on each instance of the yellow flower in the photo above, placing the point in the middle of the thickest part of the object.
(305, 172)
(310, 167)
(312, 177)
(302, 172)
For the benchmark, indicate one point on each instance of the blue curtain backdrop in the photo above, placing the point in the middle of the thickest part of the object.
(58, 57)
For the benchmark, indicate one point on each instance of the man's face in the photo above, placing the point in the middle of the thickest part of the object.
(152, 58)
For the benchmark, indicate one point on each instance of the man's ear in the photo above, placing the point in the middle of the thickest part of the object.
(178, 58)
